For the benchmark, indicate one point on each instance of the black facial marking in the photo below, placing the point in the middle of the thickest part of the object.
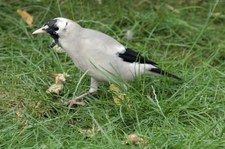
(51, 22)
(162, 72)
(131, 56)
(52, 28)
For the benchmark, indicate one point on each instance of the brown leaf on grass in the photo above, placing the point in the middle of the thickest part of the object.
(58, 86)
(118, 96)
(19, 114)
(135, 140)
(26, 16)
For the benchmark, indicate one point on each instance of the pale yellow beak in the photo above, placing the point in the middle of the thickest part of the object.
(40, 30)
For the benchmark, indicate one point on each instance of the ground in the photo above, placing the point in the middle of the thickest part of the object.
(185, 37)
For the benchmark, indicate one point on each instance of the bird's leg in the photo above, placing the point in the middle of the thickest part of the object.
(79, 100)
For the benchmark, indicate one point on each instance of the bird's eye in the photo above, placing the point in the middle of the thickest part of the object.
(55, 28)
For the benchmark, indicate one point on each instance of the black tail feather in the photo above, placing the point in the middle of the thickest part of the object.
(162, 72)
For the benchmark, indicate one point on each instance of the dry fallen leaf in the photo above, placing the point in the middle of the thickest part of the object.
(58, 86)
(19, 114)
(118, 96)
(134, 139)
(26, 16)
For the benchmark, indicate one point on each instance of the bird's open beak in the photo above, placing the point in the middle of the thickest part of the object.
(40, 30)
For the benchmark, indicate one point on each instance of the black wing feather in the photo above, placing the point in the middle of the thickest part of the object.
(162, 72)
(131, 56)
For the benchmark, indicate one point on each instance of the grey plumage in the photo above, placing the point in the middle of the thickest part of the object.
(99, 55)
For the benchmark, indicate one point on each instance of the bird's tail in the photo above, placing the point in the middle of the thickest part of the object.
(162, 72)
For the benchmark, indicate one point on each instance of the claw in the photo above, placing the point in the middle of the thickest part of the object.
(76, 101)
(79, 100)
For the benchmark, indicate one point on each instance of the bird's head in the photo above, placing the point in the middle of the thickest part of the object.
(57, 28)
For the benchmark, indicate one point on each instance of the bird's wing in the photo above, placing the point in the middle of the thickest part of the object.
(131, 56)
(113, 47)
(106, 50)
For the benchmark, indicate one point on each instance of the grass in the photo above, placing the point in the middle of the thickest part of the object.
(187, 40)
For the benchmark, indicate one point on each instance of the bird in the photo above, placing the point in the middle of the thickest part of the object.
(98, 55)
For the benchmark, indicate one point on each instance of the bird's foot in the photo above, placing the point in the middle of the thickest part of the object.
(78, 100)
(75, 101)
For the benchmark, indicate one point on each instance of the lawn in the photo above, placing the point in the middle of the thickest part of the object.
(185, 37)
